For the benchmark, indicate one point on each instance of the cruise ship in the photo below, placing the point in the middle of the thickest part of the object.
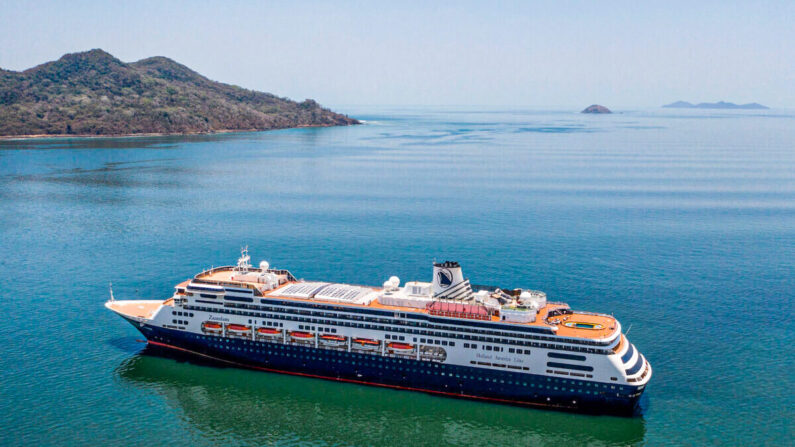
(447, 336)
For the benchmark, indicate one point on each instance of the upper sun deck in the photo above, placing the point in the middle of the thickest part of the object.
(561, 321)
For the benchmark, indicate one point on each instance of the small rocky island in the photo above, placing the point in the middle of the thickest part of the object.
(596, 108)
(715, 105)
(94, 94)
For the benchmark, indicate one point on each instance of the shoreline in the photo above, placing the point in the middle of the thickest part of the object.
(159, 134)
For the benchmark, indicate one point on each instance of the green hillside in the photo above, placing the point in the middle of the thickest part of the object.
(93, 93)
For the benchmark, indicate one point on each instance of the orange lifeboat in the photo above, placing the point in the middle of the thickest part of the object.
(366, 343)
(332, 340)
(400, 347)
(268, 332)
(212, 328)
(237, 329)
(301, 336)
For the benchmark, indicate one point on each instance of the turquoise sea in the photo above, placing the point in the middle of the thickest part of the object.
(681, 223)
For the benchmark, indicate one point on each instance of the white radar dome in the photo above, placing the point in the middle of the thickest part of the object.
(264, 265)
(395, 281)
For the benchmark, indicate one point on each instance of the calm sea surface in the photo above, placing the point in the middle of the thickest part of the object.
(682, 224)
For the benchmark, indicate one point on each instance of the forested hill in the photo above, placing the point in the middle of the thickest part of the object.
(93, 93)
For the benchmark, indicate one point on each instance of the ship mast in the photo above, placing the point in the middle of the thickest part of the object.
(243, 264)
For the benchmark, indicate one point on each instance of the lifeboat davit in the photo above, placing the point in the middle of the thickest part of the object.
(366, 343)
(332, 340)
(237, 329)
(301, 336)
(212, 328)
(400, 347)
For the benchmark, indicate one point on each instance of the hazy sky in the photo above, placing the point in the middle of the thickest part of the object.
(524, 54)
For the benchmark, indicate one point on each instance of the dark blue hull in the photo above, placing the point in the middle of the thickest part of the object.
(403, 373)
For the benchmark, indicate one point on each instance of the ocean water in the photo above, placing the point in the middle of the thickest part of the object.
(680, 223)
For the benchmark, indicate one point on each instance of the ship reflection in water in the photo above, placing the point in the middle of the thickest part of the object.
(233, 406)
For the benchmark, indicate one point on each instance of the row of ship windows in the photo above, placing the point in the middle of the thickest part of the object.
(313, 328)
(499, 365)
(226, 297)
(436, 342)
(497, 348)
(267, 323)
(558, 355)
(566, 373)
(568, 366)
(641, 377)
(638, 364)
(354, 316)
(399, 329)
(272, 350)
(182, 322)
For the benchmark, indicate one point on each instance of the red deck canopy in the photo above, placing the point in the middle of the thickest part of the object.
(458, 308)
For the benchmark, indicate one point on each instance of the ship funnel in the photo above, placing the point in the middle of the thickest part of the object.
(449, 282)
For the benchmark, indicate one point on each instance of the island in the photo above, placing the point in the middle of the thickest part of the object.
(93, 93)
(596, 108)
(715, 105)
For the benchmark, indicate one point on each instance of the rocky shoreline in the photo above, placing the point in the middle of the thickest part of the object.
(153, 134)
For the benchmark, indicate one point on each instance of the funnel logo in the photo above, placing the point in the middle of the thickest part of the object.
(445, 278)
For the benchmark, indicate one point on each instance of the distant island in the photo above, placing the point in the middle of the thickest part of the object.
(94, 94)
(596, 108)
(715, 105)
